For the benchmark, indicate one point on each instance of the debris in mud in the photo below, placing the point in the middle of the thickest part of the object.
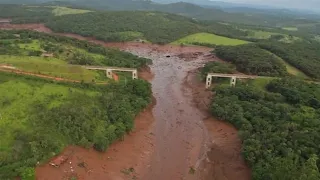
(190, 56)
(192, 170)
(168, 56)
(56, 162)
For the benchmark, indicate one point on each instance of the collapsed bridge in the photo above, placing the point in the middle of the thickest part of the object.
(233, 78)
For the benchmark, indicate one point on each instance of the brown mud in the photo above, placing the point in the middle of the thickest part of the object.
(174, 140)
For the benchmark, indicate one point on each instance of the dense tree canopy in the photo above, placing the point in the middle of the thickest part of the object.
(304, 55)
(51, 43)
(251, 59)
(279, 128)
(123, 26)
(217, 67)
(79, 114)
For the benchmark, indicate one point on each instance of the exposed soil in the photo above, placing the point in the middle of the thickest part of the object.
(181, 143)
(115, 164)
(224, 158)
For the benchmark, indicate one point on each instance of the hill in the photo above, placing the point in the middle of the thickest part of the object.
(253, 17)
(41, 116)
(126, 26)
(58, 56)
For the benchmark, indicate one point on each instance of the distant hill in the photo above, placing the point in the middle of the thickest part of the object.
(240, 15)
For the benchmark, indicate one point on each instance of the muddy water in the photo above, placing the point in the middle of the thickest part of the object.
(178, 144)
(181, 139)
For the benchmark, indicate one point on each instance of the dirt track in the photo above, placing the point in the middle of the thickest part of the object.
(180, 139)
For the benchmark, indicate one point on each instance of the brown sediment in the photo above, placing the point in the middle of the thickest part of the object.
(114, 164)
(224, 158)
(183, 142)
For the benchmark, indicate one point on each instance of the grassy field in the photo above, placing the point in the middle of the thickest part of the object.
(52, 67)
(60, 11)
(261, 34)
(34, 45)
(290, 28)
(209, 39)
(266, 35)
(16, 96)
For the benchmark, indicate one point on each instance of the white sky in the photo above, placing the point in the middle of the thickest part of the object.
(300, 4)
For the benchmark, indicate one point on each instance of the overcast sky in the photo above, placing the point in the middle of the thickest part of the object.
(300, 4)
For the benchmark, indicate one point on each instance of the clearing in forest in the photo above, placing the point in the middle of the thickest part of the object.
(290, 28)
(258, 34)
(207, 38)
(291, 69)
(59, 11)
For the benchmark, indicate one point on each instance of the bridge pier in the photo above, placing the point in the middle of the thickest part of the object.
(109, 73)
(208, 81)
(134, 74)
(233, 81)
(233, 78)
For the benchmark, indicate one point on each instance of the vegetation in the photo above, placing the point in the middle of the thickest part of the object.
(217, 67)
(301, 54)
(290, 28)
(207, 38)
(39, 118)
(279, 127)
(260, 17)
(25, 14)
(251, 59)
(68, 49)
(292, 70)
(153, 26)
(59, 11)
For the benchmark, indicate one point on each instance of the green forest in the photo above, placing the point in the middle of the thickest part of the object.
(127, 26)
(304, 55)
(39, 118)
(279, 127)
(250, 59)
(97, 54)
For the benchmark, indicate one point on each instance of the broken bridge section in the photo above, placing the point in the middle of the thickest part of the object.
(233, 78)
(110, 69)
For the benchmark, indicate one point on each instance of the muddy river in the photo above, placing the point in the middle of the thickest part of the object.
(173, 139)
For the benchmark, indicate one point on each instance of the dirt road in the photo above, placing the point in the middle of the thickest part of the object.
(181, 143)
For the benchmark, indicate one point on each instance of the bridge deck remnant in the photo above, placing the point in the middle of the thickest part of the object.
(232, 76)
(110, 69)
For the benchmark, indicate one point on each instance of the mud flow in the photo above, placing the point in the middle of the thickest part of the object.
(173, 140)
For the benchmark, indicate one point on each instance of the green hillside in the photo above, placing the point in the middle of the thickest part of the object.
(206, 38)
(27, 51)
(153, 26)
(40, 117)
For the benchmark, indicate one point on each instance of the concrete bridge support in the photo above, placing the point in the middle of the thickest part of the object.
(110, 69)
(233, 78)
(233, 81)
(109, 73)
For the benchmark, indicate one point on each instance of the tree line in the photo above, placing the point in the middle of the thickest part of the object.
(278, 127)
(52, 43)
(250, 59)
(304, 55)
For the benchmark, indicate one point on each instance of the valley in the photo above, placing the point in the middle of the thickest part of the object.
(61, 120)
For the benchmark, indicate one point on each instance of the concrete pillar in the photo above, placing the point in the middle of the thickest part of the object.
(109, 73)
(208, 81)
(233, 81)
(134, 75)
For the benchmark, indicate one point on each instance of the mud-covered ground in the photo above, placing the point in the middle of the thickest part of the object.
(176, 139)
